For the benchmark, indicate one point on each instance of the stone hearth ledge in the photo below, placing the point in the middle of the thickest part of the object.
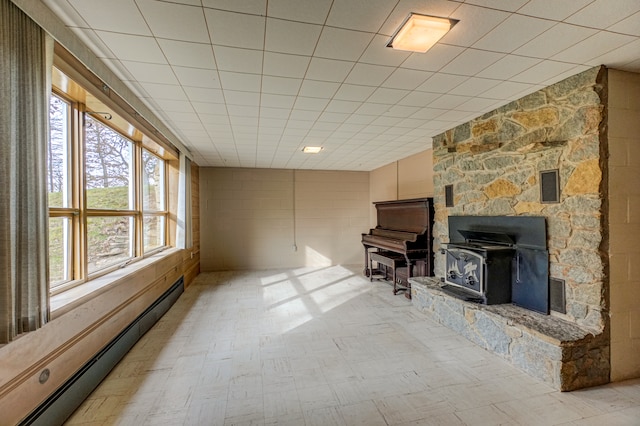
(549, 348)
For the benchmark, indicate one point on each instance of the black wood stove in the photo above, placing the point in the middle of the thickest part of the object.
(498, 259)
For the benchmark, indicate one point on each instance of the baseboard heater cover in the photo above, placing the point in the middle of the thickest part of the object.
(64, 401)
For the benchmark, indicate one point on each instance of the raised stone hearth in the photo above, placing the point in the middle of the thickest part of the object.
(556, 351)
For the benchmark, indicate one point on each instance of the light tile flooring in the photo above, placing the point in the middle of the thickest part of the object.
(324, 346)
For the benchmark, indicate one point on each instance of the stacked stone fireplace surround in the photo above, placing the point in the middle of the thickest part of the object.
(493, 163)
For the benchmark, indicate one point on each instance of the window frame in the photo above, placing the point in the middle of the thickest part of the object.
(78, 212)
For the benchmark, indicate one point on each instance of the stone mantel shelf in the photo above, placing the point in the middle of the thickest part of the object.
(550, 348)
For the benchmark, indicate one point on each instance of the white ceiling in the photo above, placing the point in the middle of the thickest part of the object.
(248, 83)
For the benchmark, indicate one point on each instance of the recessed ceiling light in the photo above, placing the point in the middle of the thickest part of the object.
(311, 149)
(418, 33)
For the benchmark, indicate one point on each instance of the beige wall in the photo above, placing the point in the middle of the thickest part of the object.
(411, 177)
(253, 218)
(415, 176)
(624, 222)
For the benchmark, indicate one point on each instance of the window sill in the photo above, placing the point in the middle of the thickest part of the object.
(67, 300)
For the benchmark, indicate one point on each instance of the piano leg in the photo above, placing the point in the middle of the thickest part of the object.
(407, 293)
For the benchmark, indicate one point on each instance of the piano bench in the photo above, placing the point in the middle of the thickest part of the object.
(392, 261)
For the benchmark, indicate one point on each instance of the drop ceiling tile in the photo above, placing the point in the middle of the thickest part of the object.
(314, 12)
(299, 126)
(619, 57)
(456, 116)
(510, 6)
(236, 97)
(175, 21)
(434, 59)
(594, 46)
(318, 89)
(474, 86)
(402, 111)
(352, 92)
(256, 7)
(372, 109)
(630, 25)
(403, 78)
(418, 99)
(284, 65)
(368, 75)
(478, 105)
(429, 113)
(360, 119)
(235, 29)
(410, 123)
(170, 105)
(471, 62)
(281, 85)
(291, 37)
(553, 9)
(603, 13)
(568, 73)
(474, 23)
(213, 119)
(350, 127)
(512, 33)
(311, 104)
(209, 108)
(305, 115)
(328, 69)
(277, 101)
(343, 106)
(185, 54)
(333, 117)
(361, 15)
(506, 90)
(242, 121)
(151, 73)
(542, 71)
(383, 95)
(442, 83)
(449, 101)
(555, 40)
(219, 130)
(336, 43)
(196, 77)
(238, 81)
(164, 91)
(238, 60)
(508, 66)
(377, 53)
(120, 16)
(132, 47)
(184, 117)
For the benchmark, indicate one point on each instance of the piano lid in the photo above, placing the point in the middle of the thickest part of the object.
(412, 215)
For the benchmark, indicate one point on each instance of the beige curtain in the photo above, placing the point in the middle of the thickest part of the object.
(25, 52)
(184, 236)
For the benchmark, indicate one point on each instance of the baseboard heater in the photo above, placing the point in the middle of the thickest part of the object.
(63, 402)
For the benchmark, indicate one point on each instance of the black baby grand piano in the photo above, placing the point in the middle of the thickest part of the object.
(402, 242)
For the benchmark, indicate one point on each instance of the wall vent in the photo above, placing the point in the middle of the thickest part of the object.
(549, 186)
(448, 195)
(557, 300)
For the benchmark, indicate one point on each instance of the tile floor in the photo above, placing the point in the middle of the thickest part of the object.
(324, 346)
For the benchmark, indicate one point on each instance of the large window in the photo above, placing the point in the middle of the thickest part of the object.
(107, 193)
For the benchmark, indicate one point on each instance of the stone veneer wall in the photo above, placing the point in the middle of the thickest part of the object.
(493, 163)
